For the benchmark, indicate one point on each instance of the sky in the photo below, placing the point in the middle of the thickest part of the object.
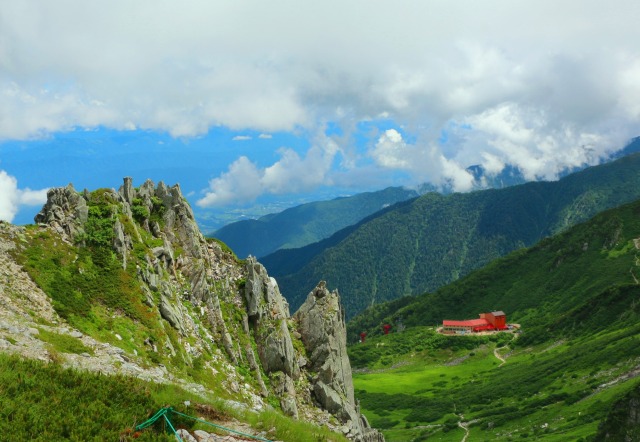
(253, 103)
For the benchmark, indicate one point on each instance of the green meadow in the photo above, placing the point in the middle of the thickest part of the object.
(556, 391)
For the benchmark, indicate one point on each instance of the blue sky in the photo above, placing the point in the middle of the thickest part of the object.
(101, 157)
(254, 106)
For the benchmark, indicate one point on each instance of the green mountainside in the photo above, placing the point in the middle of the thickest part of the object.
(425, 243)
(570, 373)
(583, 279)
(305, 224)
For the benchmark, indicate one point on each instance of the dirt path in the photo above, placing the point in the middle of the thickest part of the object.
(464, 426)
(497, 355)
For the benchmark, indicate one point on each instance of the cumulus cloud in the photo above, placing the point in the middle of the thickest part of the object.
(541, 85)
(184, 68)
(11, 197)
(242, 138)
(245, 181)
(422, 162)
(239, 184)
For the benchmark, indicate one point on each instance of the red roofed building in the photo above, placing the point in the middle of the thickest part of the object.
(488, 321)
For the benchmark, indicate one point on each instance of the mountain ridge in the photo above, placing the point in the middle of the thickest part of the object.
(435, 239)
(305, 224)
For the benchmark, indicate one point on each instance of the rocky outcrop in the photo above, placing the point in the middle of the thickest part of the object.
(268, 314)
(231, 312)
(262, 294)
(322, 328)
(65, 211)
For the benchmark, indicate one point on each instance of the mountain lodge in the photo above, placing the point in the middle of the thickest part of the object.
(492, 321)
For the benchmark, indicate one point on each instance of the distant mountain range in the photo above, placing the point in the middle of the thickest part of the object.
(307, 223)
(424, 243)
(577, 282)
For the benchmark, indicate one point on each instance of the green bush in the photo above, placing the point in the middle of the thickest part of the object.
(64, 343)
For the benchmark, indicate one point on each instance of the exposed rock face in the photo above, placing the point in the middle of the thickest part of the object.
(216, 306)
(268, 313)
(65, 210)
(262, 294)
(321, 325)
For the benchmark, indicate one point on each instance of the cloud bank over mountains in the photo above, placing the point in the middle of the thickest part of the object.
(539, 85)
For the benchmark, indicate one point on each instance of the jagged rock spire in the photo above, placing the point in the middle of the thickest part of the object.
(321, 324)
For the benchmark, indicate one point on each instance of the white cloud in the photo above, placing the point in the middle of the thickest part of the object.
(534, 141)
(242, 138)
(528, 82)
(245, 181)
(241, 183)
(422, 162)
(246, 64)
(11, 197)
(393, 153)
(629, 87)
(265, 136)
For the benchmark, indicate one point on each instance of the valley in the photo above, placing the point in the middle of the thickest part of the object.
(555, 391)
(574, 358)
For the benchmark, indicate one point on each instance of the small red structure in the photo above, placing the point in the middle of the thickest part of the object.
(363, 336)
(386, 328)
(497, 319)
(487, 322)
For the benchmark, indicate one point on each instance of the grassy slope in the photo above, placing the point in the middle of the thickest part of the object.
(437, 239)
(579, 305)
(43, 402)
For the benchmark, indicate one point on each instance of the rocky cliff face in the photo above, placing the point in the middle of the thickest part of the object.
(322, 328)
(183, 301)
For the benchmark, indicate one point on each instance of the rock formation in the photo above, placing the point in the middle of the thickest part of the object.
(321, 325)
(224, 313)
(65, 211)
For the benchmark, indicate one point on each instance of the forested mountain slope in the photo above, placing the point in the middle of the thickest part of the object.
(582, 280)
(571, 373)
(428, 242)
(307, 223)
